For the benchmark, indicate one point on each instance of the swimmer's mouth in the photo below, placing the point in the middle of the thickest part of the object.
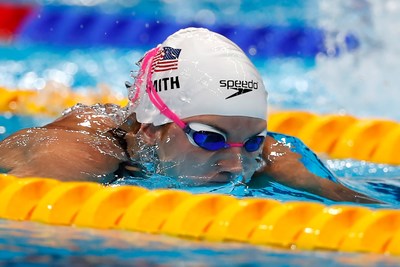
(211, 183)
(223, 177)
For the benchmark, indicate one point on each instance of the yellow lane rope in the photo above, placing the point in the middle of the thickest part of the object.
(342, 136)
(294, 225)
(53, 99)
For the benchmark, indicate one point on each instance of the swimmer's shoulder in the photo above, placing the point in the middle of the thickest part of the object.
(308, 158)
(281, 137)
(97, 118)
(294, 143)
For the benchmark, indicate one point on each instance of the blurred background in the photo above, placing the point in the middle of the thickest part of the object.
(321, 56)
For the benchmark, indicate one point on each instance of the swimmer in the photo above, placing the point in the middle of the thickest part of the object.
(197, 109)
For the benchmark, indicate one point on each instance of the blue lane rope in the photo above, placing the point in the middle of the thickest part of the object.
(88, 27)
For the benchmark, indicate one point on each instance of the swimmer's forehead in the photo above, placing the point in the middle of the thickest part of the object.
(230, 123)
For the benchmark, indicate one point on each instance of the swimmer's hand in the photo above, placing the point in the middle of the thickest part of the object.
(77, 146)
(284, 166)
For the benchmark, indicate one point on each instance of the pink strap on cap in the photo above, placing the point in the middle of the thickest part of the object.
(154, 97)
(139, 79)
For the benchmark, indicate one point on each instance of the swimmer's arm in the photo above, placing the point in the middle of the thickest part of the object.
(75, 147)
(284, 166)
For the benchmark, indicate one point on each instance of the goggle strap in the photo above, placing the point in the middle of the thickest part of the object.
(235, 144)
(143, 66)
(155, 98)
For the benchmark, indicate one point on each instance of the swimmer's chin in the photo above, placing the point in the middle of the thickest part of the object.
(220, 178)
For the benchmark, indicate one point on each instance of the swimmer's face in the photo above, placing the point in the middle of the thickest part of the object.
(180, 158)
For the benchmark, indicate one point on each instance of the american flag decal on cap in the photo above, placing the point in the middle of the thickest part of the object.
(166, 59)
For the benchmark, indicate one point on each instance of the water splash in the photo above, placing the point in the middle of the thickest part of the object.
(363, 82)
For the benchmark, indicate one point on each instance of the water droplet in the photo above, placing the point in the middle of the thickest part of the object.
(185, 99)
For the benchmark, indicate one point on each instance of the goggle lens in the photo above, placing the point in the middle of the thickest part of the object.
(214, 141)
(254, 143)
(209, 140)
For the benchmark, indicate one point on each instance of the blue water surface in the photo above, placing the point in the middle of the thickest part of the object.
(35, 244)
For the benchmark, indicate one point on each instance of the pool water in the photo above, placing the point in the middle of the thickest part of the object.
(317, 80)
(34, 244)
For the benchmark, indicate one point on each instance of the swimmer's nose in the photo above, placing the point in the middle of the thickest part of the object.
(232, 161)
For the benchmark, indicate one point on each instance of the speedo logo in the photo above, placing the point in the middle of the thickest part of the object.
(240, 86)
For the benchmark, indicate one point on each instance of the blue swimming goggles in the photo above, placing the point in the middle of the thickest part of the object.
(211, 139)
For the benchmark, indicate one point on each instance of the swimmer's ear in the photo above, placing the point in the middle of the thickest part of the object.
(150, 133)
(130, 125)
(128, 85)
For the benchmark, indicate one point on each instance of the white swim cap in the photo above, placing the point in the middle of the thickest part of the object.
(199, 72)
